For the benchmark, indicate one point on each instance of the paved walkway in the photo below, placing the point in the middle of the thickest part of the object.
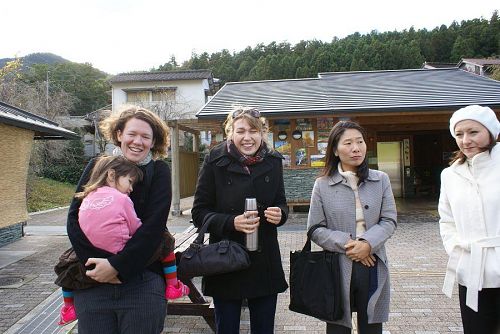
(416, 257)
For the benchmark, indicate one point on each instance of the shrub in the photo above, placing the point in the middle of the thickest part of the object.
(63, 173)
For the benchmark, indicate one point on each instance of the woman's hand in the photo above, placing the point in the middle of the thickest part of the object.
(247, 225)
(103, 271)
(273, 215)
(359, 251)
(368, 261)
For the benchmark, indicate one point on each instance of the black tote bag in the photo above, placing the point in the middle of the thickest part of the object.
(315, 288)
(218, 258)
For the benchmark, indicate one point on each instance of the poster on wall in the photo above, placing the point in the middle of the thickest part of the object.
(283, 147)
(281, 124)
(308, 138)
(287, 162)
(301, 157)
(323, 137)
(325, 124)
(322, 148)
(270, 139)
(303, 124)
(318, 160)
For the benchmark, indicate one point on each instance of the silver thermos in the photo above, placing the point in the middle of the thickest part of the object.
(252, 239)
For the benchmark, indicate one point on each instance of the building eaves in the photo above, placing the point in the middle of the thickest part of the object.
(43, 128)
(162, 76)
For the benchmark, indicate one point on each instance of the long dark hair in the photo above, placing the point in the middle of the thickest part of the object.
(332, 161)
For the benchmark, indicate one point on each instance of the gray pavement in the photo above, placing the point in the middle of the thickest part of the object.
(416, 257)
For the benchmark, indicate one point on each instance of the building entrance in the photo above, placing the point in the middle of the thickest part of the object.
(389, 157)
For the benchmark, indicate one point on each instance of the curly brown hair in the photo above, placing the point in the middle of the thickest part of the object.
(116, 122)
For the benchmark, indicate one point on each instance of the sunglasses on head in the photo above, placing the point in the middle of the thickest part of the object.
(252, 112)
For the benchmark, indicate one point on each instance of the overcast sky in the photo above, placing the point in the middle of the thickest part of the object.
(125, 35)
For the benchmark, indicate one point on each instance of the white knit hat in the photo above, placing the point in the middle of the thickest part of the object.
(484, 115)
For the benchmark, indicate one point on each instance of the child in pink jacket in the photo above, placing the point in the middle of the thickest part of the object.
(108, 219)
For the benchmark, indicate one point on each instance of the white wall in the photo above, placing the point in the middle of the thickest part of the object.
(189, 94)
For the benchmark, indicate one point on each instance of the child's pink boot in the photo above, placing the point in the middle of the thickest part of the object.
(176, 291)
(67, 315)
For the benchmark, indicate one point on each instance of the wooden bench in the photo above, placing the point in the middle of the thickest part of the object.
(198, 306)
(292, 203)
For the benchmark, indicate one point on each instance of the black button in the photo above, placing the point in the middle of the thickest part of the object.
(366, 206)
(266, 179)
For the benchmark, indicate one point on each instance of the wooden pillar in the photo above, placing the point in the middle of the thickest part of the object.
(196, 142)
(174, 146)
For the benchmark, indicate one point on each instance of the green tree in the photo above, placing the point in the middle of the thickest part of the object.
(89, 86)
(462, 48)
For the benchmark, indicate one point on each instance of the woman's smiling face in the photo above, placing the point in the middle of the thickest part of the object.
(136, 140)
(246, 138)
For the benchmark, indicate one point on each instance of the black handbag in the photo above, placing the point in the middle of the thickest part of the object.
(218, 258)
(315, 288)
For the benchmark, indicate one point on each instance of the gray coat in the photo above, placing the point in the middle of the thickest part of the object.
(333, 205)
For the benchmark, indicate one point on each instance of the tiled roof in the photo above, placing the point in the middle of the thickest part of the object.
(162, 76)
(43, 128)
(409, 89)
(271, 97)
(359, 91)
(481, 61)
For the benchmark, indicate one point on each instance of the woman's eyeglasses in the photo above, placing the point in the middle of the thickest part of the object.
(252, 112)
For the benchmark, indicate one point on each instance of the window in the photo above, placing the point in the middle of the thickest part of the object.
(163, 95)
(134, 97)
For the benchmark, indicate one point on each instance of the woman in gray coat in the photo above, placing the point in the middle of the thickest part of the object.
(357, 207)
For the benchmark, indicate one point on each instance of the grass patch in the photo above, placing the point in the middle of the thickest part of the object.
(47, 194)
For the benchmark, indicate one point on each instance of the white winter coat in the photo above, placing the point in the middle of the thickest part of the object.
(469, 209)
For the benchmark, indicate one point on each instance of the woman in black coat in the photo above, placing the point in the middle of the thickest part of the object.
(135, 302)
(239, 168)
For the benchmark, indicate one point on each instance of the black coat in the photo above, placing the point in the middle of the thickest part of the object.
(222, 188)
(152, 205)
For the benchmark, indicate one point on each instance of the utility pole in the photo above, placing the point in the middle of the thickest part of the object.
(47, 94)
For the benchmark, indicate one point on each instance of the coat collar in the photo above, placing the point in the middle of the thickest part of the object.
(479, 162)
(337, 178)
(221, 158)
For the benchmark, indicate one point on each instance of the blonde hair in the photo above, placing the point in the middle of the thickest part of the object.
(98, 178)
(259, 123)
(117, 121)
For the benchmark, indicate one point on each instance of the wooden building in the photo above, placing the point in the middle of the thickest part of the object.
(405, 113)
(19, 129)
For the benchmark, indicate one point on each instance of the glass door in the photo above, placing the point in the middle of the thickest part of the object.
(389, 161)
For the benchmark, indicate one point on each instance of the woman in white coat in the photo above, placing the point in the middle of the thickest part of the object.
(469, 209)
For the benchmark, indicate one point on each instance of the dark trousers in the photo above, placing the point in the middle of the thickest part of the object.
(487, 319)
(262, 312)
(359, 296)
(138, 306)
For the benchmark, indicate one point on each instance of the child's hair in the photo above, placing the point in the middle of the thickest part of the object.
(99, 175)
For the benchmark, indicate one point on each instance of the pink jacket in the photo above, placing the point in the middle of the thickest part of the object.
(108, 219)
